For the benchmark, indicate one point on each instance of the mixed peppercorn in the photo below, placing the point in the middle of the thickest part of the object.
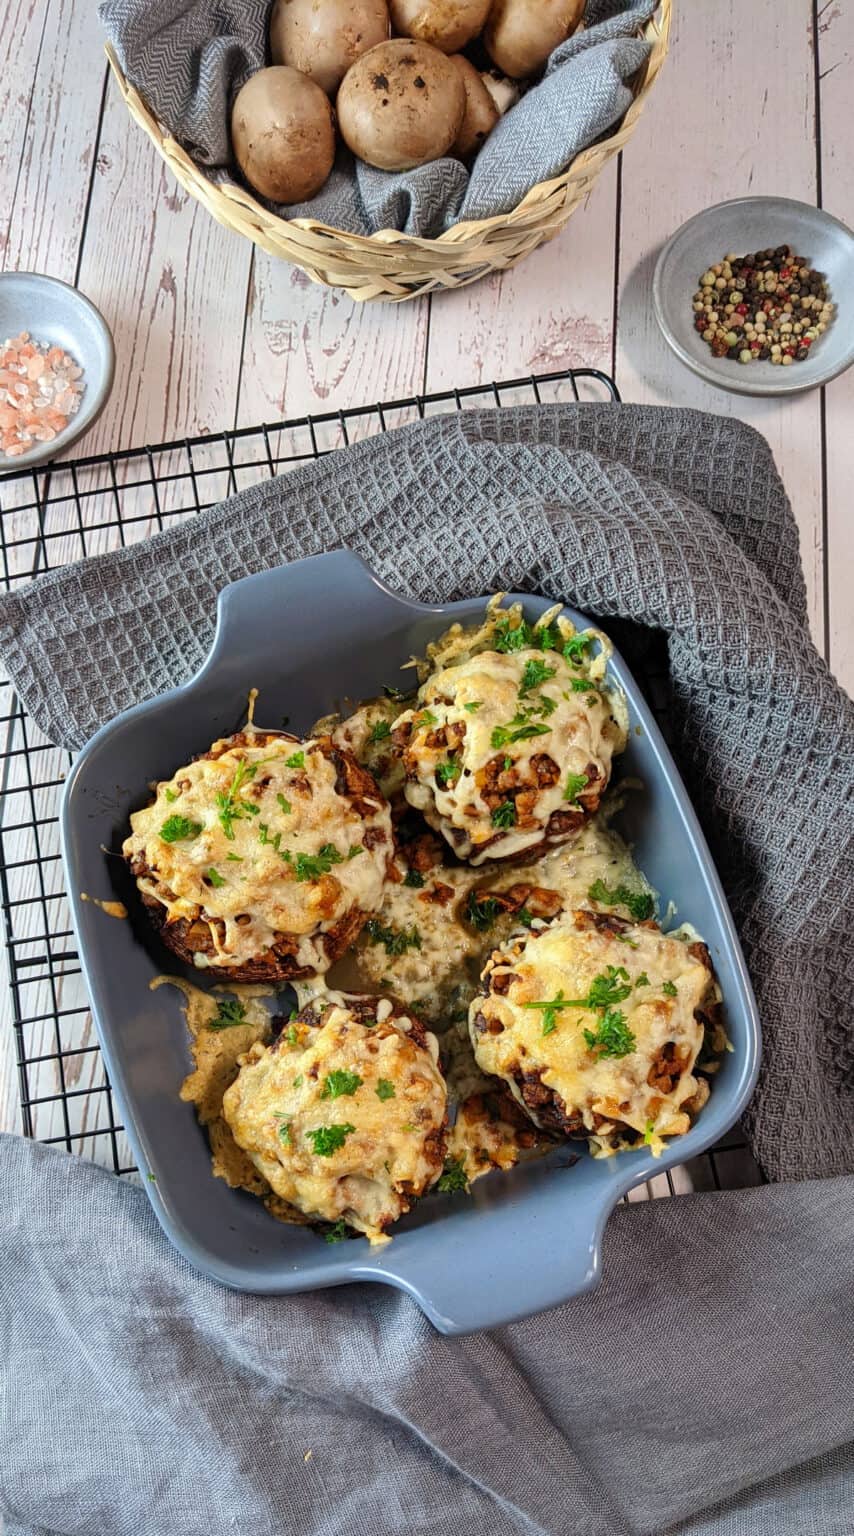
(768, 305)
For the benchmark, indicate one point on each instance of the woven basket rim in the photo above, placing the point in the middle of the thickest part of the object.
(656, 31)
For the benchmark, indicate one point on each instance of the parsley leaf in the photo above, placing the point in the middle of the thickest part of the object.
(453, 1178)
(508, 638)
(612, 1036)
(475, 704)
(525, 917)
(575, 783)
(291, 1035)
(384, 1089)
(504, 814)
(298, 1081)
(380, 730)
(535, 674)
(265, 838)
(582, 685)
(448, 773)
(284, 804)
(230, 808)
(414, 879)
(574, 649)
(668, 988)
(391, 692)
(171, 795)
(285, 1131)
(177, 829)
(521, 728)
(648, 1133)
(297, 760)
(604, 990)
(215, 878)
(341, 1084)
(640, 903)
(337, 1232)
(481, 911)
(309, 866)
(642, 981)
(424, 717)
(395, 941)
(229, 1012)
(355, 850)
(234, 858)
(330, 1138)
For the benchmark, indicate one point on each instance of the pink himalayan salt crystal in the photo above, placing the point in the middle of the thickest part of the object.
(40, 390)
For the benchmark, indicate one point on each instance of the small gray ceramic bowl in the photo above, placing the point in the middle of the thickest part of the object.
(54, 313)
(307, 635)
(753, 224)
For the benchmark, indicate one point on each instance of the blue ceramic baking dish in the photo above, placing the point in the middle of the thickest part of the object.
(307, 636)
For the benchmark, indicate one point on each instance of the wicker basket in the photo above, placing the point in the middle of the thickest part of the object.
(391, 266)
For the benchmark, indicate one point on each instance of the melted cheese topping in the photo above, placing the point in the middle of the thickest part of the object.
(375, 1096)
(367, 734)
(609, 1092)
(243, 820)
(499, 793)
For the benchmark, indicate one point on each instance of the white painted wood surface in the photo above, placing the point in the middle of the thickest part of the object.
(211, 334)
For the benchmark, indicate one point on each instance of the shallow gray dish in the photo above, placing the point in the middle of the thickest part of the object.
(55, 314)
(308, 636)
(753, 224)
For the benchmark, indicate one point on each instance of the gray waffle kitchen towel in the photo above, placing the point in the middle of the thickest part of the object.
(705, 1389)
(673, 520)
(188, 58)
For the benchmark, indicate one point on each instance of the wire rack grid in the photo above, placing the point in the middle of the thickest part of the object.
(71, 510)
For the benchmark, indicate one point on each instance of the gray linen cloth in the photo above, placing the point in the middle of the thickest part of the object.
(705, 1389)
(189, 58)
(671, 519)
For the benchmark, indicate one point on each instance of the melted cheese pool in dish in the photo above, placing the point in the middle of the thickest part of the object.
(595, 1024)
(345, 1115)
(264, 857)
(508, 750)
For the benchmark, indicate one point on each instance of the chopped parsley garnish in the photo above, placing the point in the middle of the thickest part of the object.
(508, 638)
(575, 783)
(414, 879)
(297, 760)
(448, 773)
(481, 911)
(285, 1131)
(475, 704)
(384, 1089)
(642, 981)
(605, 989)
(265, 838)
(535, 674)
(394, 941)
(298, 1081)
(291, 1035)
(640, 903)
(234, 858)
(504, 814)
(574, 649)
(337, 1232)
(624, 939)
(525, 917)
(453, 1177)
(310, 866)
(612, 1036)
(354, 850)
(177, 829)
(582, 685)
(380, 730)
(508, 764)
(341, 1084)
(229, 1012)
(391, 692)
(648, 1133)
(171, 795)
(521, 727)
(215, 878)
(425, 717)
(330, 1138)
(668, 988)
(284, 805)
(230, 808)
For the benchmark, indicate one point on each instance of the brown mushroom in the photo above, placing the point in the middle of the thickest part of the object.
(481, 113)
(520, 34)
(401, 105)
(323, 40)
(445, 24)
(283, 134)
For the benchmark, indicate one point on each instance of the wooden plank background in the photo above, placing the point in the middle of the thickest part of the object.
(211, 333)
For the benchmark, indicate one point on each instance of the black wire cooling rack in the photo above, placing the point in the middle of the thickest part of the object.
(48, 518)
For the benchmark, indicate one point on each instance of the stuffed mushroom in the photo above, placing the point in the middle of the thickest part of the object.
(263, 858)
(595, 1024)
(345, 1116)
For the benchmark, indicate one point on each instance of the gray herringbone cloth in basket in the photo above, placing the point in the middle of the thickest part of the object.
(189, 58)
(673, 520)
